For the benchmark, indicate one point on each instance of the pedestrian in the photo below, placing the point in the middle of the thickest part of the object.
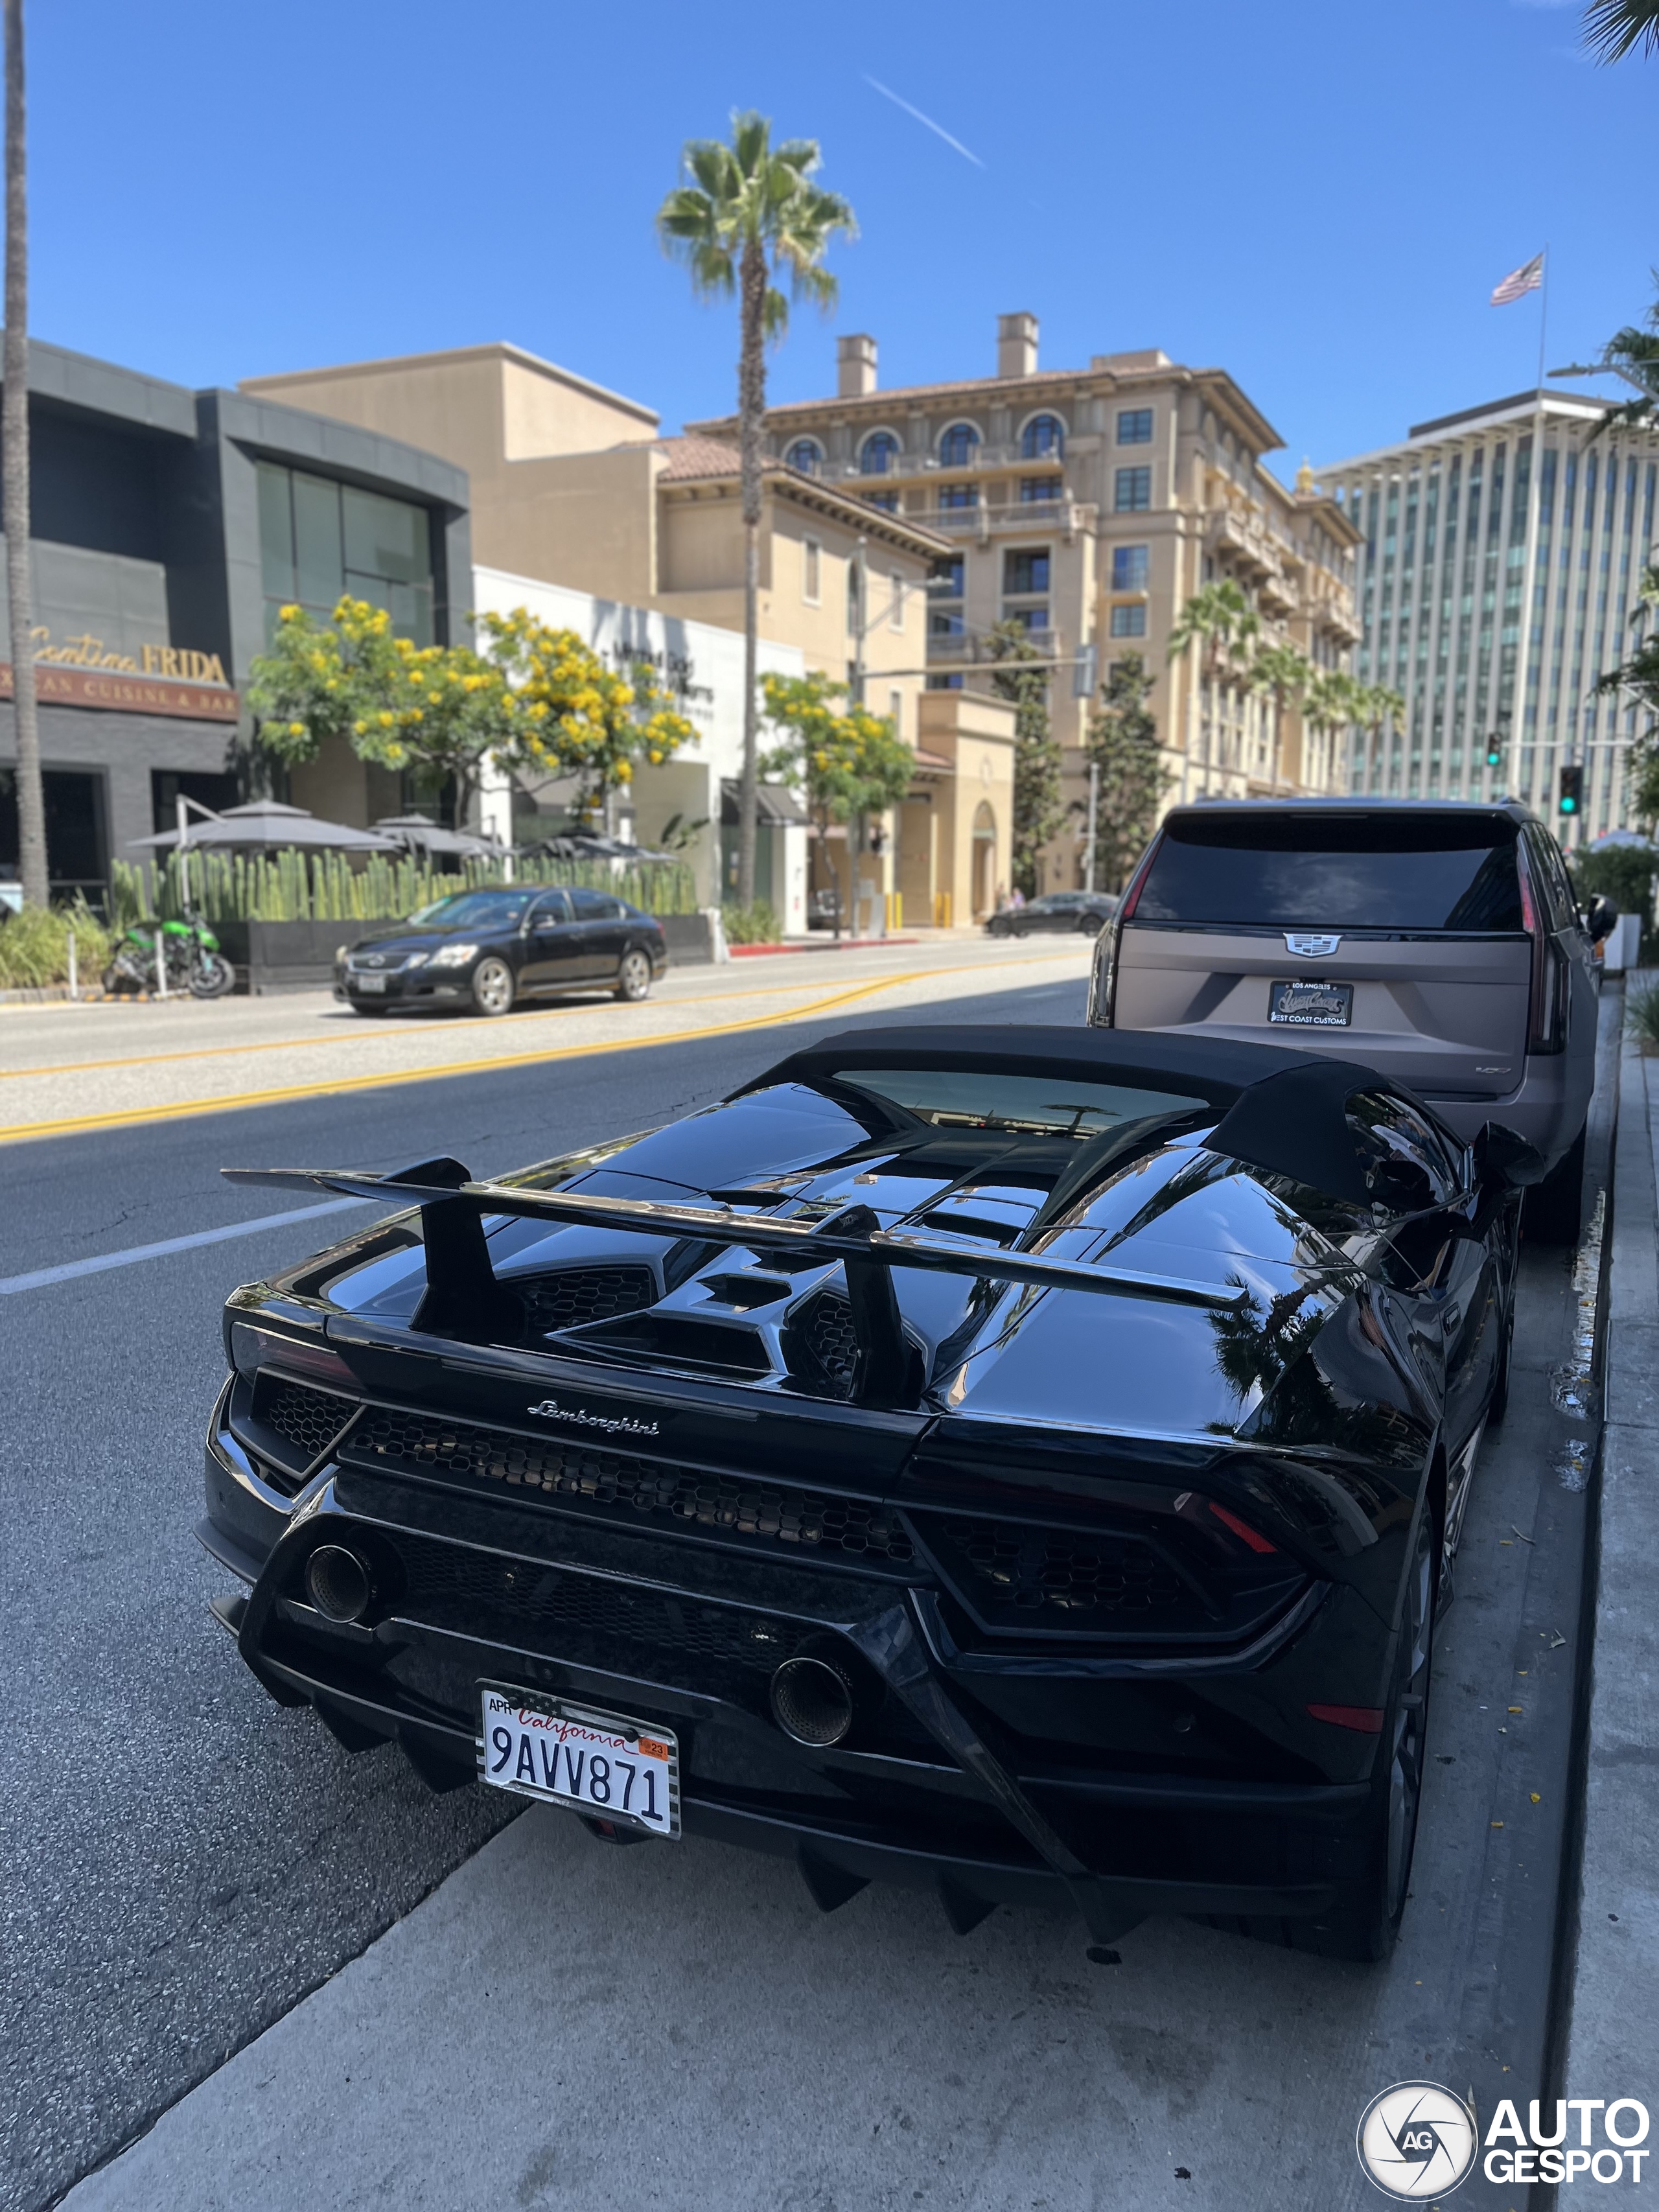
(1017, 898)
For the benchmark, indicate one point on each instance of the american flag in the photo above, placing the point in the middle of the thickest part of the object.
(1526, 278)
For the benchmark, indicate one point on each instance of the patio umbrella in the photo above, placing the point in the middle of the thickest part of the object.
(420, 833)
(264, 825)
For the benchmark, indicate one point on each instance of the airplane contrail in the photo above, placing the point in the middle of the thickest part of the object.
(938, 129)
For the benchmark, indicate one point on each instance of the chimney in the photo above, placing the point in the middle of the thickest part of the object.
(855, 366)
(1017, 345)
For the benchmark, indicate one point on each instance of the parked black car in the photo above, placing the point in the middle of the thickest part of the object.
(1019, 1462)
(485, 949)
(1088, 912)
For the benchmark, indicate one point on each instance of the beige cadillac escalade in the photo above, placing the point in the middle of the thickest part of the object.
(1436, 941)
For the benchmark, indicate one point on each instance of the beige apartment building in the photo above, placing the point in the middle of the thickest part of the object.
(573, 485)
(1089, 505)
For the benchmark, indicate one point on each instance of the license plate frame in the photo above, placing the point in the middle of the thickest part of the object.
(1310, 1002)
(559, 1737)
(369, 982)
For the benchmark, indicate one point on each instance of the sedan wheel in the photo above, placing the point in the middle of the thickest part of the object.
(492, 987)
(634, 976)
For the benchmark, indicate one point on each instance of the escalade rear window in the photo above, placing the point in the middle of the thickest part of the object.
(1348, 871)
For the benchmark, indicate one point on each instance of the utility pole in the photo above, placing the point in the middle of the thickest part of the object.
(1094, 818)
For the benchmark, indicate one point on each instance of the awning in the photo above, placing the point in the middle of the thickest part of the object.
(775, 804)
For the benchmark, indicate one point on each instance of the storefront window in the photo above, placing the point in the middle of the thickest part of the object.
(319, 540)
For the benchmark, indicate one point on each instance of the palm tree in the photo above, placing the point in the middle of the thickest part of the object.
(749, 213)
(1219, 619)
(1375, 706)
(14, 479)
(1633, 354)
(1614, 29)
(1284, 673)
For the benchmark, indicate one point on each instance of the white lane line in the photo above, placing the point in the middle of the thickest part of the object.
(42, 1276)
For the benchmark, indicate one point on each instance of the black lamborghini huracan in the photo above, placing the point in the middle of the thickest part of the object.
(1013, 1460)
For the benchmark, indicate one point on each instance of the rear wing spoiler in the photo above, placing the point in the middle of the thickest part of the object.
(463, 1295)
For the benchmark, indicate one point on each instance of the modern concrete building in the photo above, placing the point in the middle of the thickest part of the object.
(1088, 505)
(1502, 553)
(572, 486)
(167, 525)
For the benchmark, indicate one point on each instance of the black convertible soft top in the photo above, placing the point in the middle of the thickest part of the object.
(1279, 1110)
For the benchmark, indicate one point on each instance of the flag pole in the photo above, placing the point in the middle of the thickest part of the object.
(1543, 311)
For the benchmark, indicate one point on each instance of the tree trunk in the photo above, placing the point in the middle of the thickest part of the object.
(14, 479)
(751, 414)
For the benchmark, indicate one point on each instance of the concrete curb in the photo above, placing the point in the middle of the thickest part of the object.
(1613, 2035)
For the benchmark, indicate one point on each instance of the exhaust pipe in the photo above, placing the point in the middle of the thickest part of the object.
(339, 1582)
(812, 1700)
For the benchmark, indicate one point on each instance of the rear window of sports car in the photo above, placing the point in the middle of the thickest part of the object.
(1031, 1105)
(1294, 871)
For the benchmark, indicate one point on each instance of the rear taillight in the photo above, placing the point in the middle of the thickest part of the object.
(1102, 976)
(1547, 1004)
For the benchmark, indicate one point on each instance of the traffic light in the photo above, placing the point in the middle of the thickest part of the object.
(1572, 798)
(1494, 753)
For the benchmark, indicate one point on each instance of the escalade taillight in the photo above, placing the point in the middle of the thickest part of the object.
(1102, 975)
(1547, 1005)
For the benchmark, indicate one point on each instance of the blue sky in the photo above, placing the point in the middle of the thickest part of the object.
(1317, 195)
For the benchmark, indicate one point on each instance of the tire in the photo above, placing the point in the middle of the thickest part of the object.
(1554, 1209)
(493, 988)
(1090, 925)
(213, 977)
(1367, 1924)
(1498, 1404)
(634, 975)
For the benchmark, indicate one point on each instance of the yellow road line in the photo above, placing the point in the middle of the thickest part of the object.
(352, 1035)
(21, 1132)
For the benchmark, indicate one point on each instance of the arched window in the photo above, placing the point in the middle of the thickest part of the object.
(806, 455)
(879, 452)
(957, 445)
(1044, 439)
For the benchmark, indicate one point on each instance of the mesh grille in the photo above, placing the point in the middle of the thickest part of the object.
(453, 1587)
(570, 1296)
(819, 1343)
(304, 1419)
(1015, 1576)
(618, 1485)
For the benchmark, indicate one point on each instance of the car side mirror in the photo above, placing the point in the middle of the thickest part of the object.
(1599, 918)
(1504, 1160)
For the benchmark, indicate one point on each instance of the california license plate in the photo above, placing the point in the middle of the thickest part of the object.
(369, 982)
(1310, 1005)
(600, 1764)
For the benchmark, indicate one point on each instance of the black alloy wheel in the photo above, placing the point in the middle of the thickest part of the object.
(634, 975)
(1366, 1926)
(1498, 1404)
(1088, 925)
(493, 988)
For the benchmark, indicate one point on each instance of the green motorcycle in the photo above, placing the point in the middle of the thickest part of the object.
(194, 963)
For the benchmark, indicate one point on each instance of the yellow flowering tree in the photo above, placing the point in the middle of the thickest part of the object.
(846, 762)
(577, 717)
(442, 710)
(535, 697)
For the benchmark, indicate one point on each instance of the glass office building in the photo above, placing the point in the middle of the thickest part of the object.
(1499, 574)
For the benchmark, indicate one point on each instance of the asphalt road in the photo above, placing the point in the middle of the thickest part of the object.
(183, 1861)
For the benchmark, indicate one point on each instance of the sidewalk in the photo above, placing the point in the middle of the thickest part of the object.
(1614, 2039)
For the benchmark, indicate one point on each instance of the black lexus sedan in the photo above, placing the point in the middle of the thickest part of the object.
(1020, 1462)
(483, 951)
(1055, 912)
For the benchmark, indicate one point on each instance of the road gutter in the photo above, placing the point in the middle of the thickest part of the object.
(1611, 2031)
